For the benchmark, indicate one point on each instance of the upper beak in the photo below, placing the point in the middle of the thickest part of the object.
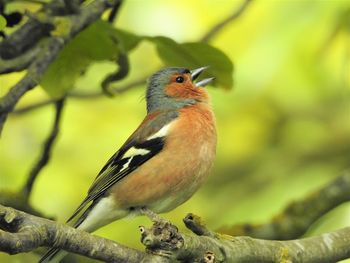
(195, 74)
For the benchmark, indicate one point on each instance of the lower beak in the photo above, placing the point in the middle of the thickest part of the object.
(195, 74)
(204, 82)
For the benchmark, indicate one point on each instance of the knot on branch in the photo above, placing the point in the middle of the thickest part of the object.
(9, 221)
(209, 257)
(24, 38)
(163, 238)
(197, 226)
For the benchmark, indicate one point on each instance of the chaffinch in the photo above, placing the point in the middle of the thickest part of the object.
(162, 163)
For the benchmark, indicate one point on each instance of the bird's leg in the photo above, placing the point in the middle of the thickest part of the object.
(154, 217)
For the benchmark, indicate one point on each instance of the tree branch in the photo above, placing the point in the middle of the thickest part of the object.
(30, 80)
(80, 95)
(22, 233)
(78, 22)
(20, 199)
(297, 217)
(34, 106)
(21, 62)
(206, 38)
(113, 13)
(329, 247)
(23, 39)
(218, 27)
(45, 156)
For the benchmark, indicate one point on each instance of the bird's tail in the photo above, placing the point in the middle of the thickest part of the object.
(101, 212)
(53, 255)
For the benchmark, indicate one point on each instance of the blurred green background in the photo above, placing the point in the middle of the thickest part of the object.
(283, 130)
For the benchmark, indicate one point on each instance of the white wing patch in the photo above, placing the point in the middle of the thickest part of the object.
(134, 151)
(161, 133)
(126, 165)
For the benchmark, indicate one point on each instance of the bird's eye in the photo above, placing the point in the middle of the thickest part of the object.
(179, 79)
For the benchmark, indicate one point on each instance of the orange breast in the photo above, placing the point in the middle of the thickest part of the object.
(172, 176)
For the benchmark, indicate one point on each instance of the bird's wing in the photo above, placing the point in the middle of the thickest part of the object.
(146, 142)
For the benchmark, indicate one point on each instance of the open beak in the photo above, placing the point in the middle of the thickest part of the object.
(195, 74)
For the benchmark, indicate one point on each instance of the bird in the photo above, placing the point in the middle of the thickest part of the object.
(164, 161)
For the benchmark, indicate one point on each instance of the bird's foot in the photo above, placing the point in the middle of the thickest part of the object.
(162, 239)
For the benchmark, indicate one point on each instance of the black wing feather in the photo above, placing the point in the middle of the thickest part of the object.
(113, 172)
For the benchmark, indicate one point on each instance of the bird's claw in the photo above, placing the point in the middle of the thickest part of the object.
(162, 238)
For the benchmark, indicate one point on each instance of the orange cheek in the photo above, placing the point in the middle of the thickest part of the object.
(183, 91)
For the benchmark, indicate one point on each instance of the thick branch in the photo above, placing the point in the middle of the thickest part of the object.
(22, 233)
(28, 35)
(23, 39)
(17, 200)
(329, 247)
(297, 217)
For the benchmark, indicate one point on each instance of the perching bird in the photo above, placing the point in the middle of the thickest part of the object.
(162, 163)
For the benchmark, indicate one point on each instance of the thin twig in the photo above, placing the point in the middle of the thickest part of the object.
(34, 106)
(21, 62)
(114, 11)
(45, 155)
(218, 27)
(80, 95)
(114, 91)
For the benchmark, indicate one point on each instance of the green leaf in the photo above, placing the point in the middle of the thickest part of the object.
(194, 55)
(127, 40)
(100, 41)
(2, 22)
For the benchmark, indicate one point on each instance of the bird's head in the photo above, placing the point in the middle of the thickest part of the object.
(174, 88)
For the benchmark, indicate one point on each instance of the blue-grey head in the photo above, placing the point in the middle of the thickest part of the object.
(173, 88)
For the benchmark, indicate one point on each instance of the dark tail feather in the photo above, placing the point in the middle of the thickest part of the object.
(49, 255)
(52, 252)
(84, 215)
